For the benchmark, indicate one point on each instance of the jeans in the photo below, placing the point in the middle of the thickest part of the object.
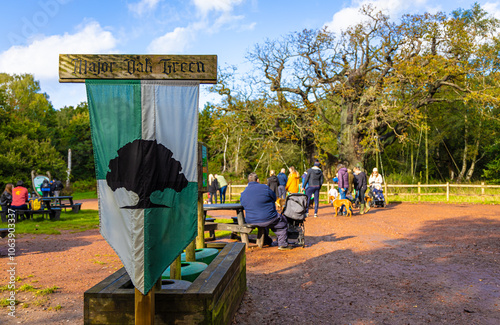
(282, 192)
(222, 193)
(343, 192)
(309, 192)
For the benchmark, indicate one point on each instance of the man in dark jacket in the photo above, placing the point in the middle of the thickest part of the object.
(260, 209)
(314, 181)
(343, 176)
(282, 179)
(360, 186)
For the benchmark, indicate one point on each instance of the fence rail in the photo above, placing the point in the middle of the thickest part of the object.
(235, 190)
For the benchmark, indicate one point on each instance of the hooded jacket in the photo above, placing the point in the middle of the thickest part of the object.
(343, 178)
(273, 182)
(314, 177)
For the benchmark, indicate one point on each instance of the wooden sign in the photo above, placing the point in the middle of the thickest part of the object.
(78, 67)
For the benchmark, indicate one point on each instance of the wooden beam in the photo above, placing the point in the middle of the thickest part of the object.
(79, 67)
(144, 307)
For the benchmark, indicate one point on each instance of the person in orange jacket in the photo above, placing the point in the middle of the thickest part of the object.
(292, 185)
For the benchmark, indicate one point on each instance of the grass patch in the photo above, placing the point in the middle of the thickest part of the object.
(26, 288)
(56, 308)
(85, 195)
(46, 291)
(76, 222)
(4, 302)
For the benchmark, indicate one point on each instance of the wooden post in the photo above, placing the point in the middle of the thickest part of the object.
(447, 191)
(200, 239)
(145, 307)
(190, 252)
(229, 189)
(175, 269)
(386, 192)
(418, 191)
(482, 188)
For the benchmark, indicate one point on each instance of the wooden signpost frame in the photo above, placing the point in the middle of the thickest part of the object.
(77, 68)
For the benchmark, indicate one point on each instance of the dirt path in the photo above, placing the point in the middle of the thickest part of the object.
(406, 264)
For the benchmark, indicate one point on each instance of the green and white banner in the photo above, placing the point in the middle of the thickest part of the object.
(144, 135)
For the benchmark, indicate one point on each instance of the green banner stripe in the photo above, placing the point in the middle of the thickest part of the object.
(115, 119)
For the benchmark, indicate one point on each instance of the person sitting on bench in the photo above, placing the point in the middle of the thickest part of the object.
(258, 200)
(19, 197)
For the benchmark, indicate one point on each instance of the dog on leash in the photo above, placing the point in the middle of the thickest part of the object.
(338, 203)
(280, 204)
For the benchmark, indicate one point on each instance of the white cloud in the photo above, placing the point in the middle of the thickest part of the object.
(175, 42)
(180, 39)
(41, 57)
(492, 8)
(349, 16)
(205, 6)
(143, 6)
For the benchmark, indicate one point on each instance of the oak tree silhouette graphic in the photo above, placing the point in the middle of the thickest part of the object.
(143, 167)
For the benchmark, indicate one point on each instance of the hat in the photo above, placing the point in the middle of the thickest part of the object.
(375, 169)
(335, 179)
(20, 183)
(316, 163)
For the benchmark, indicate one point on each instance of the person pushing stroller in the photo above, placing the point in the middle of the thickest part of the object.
(376, 182)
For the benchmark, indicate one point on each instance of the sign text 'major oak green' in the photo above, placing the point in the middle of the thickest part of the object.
(78, 67)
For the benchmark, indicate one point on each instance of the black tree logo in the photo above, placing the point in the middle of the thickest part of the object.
(143, 167)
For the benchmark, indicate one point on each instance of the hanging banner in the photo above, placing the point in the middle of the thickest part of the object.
(144, 135)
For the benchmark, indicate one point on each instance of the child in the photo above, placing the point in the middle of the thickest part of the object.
(333, 194)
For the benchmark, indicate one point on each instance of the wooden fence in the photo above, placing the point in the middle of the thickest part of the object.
(234, 191)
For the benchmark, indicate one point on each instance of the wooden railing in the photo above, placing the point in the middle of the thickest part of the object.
(234, 191)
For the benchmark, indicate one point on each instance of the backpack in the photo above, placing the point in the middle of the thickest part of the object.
(59, 186)
(36, 204)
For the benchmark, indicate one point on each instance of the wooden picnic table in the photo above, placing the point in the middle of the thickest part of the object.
(240, 227)
(58, 201)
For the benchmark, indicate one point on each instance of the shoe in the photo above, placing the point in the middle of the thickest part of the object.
(268, 241)
(362, 209)
(367, 208)
(285, 248)
(315, 215)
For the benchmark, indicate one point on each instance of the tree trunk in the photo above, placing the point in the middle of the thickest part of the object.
(226, 138)
(350, 150)
(464, 156)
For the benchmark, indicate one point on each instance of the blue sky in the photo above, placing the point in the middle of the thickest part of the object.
(35, 32)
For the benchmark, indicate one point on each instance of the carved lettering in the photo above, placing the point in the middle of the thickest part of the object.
(181, 67)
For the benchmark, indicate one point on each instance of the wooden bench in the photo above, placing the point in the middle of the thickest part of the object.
(52, 213)
(58, 201)
(4, 232)
(238, 226)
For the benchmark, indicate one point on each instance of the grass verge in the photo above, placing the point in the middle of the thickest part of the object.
(76, 222)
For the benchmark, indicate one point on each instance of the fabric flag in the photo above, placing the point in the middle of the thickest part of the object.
(144, 135)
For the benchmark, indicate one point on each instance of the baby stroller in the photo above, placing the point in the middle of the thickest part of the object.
(377, 196)
(295, 211)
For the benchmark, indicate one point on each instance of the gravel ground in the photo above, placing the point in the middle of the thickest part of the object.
(404, 264)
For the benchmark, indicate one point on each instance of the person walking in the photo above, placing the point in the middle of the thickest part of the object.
(343, 177)
(282, 179)
(213, 187)
(314, 181)
(361, 187)
(292, 185)
(273, 182)
(222, 188)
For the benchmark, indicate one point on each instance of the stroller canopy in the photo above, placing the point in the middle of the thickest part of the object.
(296, 206)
